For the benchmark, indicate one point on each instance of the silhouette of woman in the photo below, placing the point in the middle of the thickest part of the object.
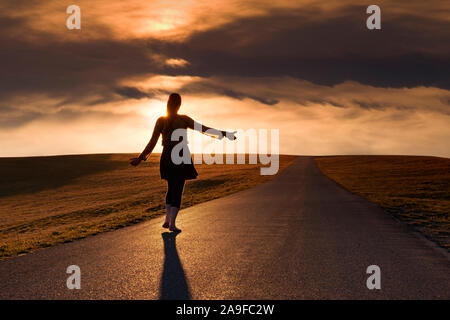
(173, 130)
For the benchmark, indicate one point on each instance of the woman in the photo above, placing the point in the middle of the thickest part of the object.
(175, 173)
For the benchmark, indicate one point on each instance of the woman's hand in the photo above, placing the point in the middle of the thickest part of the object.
(135, 161)
(230, 135)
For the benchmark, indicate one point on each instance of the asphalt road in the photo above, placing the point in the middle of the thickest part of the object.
(299, 236)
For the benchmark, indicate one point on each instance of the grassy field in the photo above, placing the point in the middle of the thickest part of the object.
(414, 189)
(49, 200)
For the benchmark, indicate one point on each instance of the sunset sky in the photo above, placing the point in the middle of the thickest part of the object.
(308, 68)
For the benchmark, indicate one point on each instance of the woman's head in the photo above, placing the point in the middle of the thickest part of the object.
(173, 104)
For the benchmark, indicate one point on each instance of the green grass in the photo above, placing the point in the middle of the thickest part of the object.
(415, 189)
(49, 200)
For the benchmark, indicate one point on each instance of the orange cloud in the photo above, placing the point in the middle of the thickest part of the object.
(308, 68)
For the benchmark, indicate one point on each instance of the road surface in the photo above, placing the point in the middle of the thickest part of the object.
(299, 236)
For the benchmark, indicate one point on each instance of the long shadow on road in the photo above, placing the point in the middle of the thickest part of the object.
(174, 285)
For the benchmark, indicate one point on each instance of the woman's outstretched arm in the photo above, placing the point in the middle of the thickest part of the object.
(150, 145)
(210, 131)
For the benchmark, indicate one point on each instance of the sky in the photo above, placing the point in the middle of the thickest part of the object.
(310, 69)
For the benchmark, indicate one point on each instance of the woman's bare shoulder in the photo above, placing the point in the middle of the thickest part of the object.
(160, 121)
(188, 120)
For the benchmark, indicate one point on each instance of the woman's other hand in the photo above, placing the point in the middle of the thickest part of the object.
(231, 135)
(135, 161)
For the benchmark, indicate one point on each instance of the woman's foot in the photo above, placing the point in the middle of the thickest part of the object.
(174, 229)
(167, 220)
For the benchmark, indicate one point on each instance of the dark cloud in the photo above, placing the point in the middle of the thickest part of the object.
(132, 93)
(327, 52)
(240, 96)
(369, 105)
(323, 102)
(16, 120)
(88, 71)
(210, 87)
(323, 48)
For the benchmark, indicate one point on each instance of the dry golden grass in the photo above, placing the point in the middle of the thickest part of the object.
(415, 189)
(49, 200)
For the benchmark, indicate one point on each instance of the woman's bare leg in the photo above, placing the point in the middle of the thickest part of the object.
(168, 212)
(173, 218)
(177, 192)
